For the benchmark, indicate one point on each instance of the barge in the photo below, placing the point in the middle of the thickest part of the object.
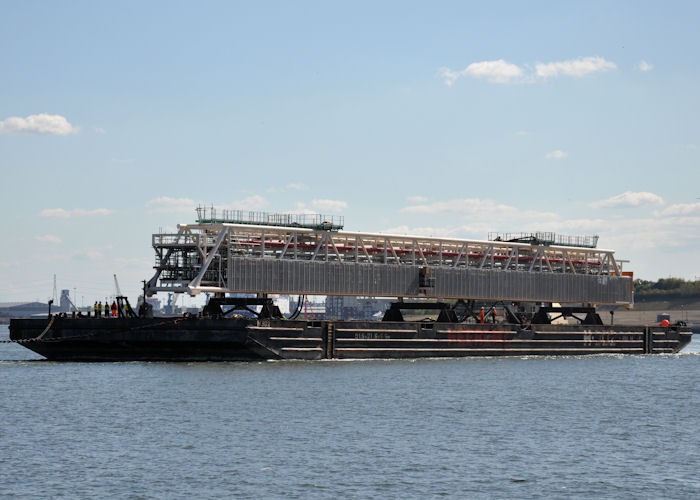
(240, 258)
(247, 339)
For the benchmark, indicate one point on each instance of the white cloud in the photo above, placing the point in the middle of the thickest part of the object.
(682, 209)
(301, 208)
(89, 254)
(574, 67)
(522, 132)
(168, 205)
(416, 199)
(293, 186)
(464, 206)
(498, 71)
(631, 237)
(254, 202)
(691, 147)
(55, 212)
(501, 71)
(644, 66)
(62, 213)
(100, 130)
(329, 205)
(449, 76)
(49, 238)
(96, 211)
(580, 226)
(37, 124)
(478, 210)
(557, 154)
(629, 199)
(438, 232)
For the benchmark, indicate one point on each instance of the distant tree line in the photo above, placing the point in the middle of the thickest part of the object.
(666, 288)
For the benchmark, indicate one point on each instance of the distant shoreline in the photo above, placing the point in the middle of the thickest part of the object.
(659, 302)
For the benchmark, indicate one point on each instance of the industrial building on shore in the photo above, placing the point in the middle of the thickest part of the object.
(30, 309)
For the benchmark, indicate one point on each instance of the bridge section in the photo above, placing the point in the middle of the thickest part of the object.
(221, 257)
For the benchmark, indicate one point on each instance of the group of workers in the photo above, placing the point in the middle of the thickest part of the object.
(112, 310)
(483, 315)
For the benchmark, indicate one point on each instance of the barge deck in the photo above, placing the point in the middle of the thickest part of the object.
(222, 339)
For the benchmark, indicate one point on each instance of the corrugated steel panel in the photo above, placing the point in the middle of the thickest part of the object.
(334, 278)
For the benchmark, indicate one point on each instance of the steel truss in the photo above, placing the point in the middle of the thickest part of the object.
(201, 257)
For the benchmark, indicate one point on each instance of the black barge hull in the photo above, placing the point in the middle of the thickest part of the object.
(203, 339)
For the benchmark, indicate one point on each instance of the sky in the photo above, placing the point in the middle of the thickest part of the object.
(433, 118)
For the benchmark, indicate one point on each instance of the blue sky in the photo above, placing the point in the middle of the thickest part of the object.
(448, 118)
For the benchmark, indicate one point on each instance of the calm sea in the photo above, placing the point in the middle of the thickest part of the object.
(584, 427)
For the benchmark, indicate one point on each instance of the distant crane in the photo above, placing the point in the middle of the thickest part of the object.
(116, 286)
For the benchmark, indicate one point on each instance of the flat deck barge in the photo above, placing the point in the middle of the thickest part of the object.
(222, 339)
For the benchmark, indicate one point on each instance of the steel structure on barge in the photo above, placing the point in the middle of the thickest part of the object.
(227, 255)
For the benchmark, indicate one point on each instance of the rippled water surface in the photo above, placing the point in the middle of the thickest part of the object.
(602, 426)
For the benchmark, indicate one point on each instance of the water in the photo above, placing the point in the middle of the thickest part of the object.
(602, 426)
